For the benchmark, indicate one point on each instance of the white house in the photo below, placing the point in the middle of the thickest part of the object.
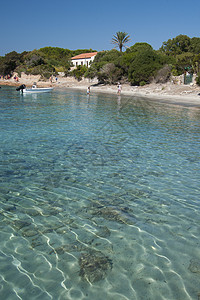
(83, 59)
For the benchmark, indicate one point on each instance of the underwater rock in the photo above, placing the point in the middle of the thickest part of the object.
(47, 230)
(51, 227)
(94, 266)
(154, 173)
(194, 266)
(112, 214)
(18, 224)
(138, 194)
(32, 212)
(39, 242)
(75, 247)
(29, 232)
(36, 244)
(103, 232)
(10, 208)
(62, 230)
(51, 212)
(68, 220)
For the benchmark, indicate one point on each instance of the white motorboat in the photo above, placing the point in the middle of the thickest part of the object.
(34, 89)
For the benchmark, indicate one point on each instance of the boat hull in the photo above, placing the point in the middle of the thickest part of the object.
(36, 90)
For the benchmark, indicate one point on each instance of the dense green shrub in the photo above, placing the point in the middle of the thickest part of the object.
(80, 51)
(139, 47)
(50, 57)
(91, 72)
(33, 59)
(142, 83)
(9, 62)
(185, 51)
(107, 56)
(106, 67)
(177, 45)
(109, 73)
(144, 67)
(139, 64)
(195, 45)
(79, 72)
(196, 63)
(44, 70)
(198, 79)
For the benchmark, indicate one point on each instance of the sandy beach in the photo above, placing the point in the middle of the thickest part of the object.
(180, 94)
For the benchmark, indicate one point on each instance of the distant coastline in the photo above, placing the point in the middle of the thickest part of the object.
(168, 92)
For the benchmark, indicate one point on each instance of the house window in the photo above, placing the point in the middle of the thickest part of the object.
(82, 63)
(76, 64)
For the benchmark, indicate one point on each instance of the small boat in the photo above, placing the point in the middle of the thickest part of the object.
(23, 90)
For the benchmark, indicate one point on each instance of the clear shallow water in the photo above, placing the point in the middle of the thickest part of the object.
(99, 198)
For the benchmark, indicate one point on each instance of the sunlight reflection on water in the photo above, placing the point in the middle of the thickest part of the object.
(99, 197)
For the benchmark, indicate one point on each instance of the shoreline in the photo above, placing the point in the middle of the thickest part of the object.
(186, 95)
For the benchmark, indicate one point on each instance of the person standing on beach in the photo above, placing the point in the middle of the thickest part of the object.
(119, 88)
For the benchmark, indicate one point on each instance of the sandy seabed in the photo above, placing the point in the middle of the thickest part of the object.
(180, 94)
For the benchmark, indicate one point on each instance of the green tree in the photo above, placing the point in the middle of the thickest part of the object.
(177, 45)
(10, 62)
(131, 52)
(79, 72)
(138, 65)
(184, 61)
(144, 67)
(33, 59)
(120, 39)
(196, 63)
(195, 45)
(198, 79)
(137, 47)
(106, 67)
(110, 73)
(44, 70)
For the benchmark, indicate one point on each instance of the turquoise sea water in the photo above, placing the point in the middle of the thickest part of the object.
(99, 197)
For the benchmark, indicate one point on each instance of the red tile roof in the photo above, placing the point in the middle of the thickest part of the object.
(84, 55)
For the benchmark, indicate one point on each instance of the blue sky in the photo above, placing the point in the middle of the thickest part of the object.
(28, 25)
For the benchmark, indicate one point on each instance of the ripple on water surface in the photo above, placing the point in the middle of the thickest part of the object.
(99, 198)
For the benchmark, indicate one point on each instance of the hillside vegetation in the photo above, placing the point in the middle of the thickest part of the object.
(45, 61)
(138, 65)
